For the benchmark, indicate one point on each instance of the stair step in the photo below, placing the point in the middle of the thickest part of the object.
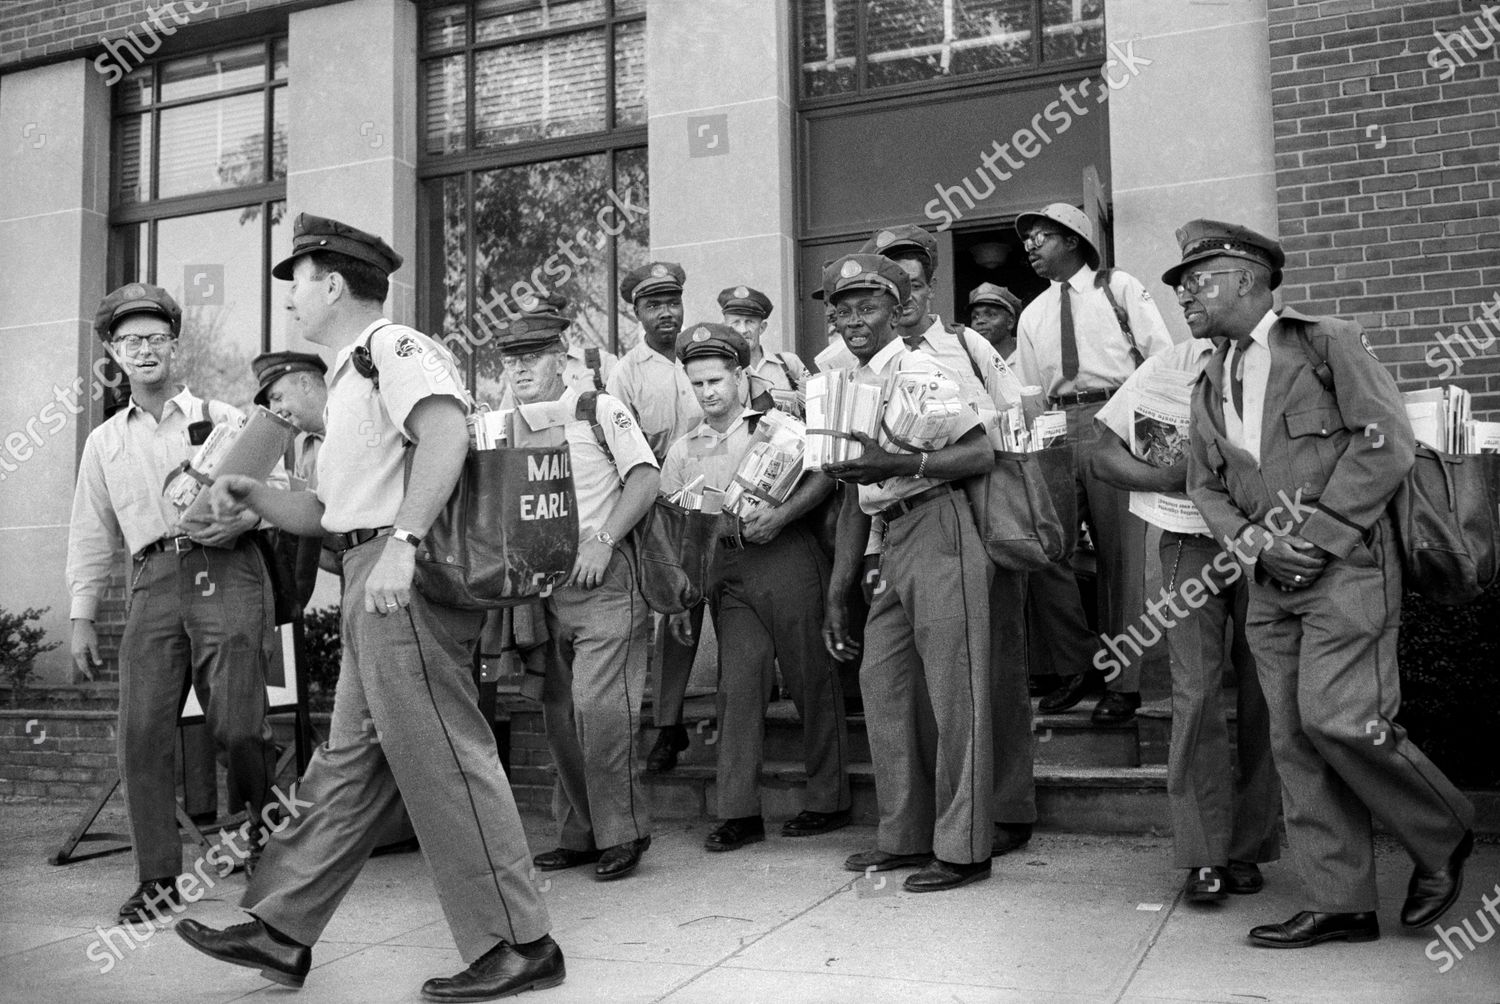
(1083, 799)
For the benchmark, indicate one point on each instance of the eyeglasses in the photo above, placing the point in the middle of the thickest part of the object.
(1037, 240)
(1192, 282)
(134, 343)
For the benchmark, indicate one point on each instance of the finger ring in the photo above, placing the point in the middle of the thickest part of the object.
(1296, 578)
(393, 604)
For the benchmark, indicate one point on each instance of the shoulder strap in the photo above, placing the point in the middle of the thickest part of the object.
(1316, 359)
(957, 330)
(588, 411)
(592, 360)
(752, 422)
(1101, 281)
(364, 364)
(786, 367)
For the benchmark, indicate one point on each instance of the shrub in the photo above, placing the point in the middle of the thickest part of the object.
(20, 644)
(320, 639)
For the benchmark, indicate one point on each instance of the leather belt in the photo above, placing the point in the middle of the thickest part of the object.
(175, 544)
(734, 543)
(340, 542)
(916, 501)
(1082, 397)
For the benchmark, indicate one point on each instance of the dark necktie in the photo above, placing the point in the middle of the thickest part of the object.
(1237, 375)
(1069, 337)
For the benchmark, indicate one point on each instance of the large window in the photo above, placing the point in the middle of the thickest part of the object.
(534, 167)
(851, 48)
(198, 194)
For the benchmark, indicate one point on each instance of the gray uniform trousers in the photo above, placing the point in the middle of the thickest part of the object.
(673, 672)
(1327, 659)
(406, 727)
(768, 608)
(1222, 811)
(591, 703)
(1120, 543)
(1010, 701)
(926, 684)
(204, 614)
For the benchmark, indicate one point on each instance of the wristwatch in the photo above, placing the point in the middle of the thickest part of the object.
(406, 537)
(603, 537)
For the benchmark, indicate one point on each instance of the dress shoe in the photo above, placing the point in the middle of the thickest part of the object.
(1243, 878)
(1115, 708)
(732, 834)
(1043, 684)
(880, 861)
(670, 741)
(502, 971)
(1010, 837)
(254, 946)
(1073, 690)
(1430, 894)
(808, 823)
(939, 875)
(620, 860)
(1308, 928)
(555, 860)
(153, 899)
(1209, 884)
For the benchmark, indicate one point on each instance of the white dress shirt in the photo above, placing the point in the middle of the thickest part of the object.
(1244, 430)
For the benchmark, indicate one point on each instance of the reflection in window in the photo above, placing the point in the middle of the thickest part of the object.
(918, 41)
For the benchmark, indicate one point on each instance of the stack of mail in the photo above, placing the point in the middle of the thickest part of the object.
(1441, 417)
(1050, 428)
(838, 406)
(696, 497)
(488, 430)
(922, 409)
(772, 466)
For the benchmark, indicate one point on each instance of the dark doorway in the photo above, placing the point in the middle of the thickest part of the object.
(990, 253)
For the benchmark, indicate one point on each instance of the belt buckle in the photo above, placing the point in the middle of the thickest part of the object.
(180, 544)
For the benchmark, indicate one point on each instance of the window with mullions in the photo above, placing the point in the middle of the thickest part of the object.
(853, 48)
(198, 200)
(533, 163)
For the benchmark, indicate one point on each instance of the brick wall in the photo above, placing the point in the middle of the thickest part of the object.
(531, 773)
(36, 29)
(56, 754)
(1387, 160)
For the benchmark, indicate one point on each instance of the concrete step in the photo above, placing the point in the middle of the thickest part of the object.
(1065, 739)
(1078, 799)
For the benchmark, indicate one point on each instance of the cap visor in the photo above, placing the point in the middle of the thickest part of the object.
(283, 269)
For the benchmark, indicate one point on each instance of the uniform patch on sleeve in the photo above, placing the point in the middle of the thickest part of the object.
(1364, 340)
(406, 345)
(1145, 295)
(622, 420)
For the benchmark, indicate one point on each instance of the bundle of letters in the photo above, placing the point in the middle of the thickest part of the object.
(1050, 428)
(772, 466)
(837, 407)
(921, 411)
(240, 446)
(1442, 417)
(489, 430)
(695, 496)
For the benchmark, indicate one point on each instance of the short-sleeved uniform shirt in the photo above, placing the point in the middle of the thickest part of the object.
(597, 482)
(896, 357)
(716, 456)
(1104, 359)
(657, 392)
(783, 376)
(361, 465)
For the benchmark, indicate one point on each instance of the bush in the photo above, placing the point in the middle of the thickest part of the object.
(20, 644)
(1450, 687)
(320, 639)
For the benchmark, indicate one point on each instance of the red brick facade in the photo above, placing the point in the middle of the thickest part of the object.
(1387, 160)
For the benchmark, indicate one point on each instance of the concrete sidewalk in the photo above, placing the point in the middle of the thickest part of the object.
(1070, 918)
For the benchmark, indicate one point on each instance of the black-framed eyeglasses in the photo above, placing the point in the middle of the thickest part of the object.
(1037, 240)
(1192, 282)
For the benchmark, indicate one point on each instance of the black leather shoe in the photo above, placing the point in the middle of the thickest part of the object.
(621, 859)
(1209, 884)
(1115, 708)
(502, 972)
(555, 860)
(1430, 894)
(1243, 878)
(154, 899)
(254, 946)
(1073, 690)
(808, 823)
(732, 834)
(1043, 684)
(882, 862)
(940, 875)
(1010, 837)
(670, 741)
(1308, 928)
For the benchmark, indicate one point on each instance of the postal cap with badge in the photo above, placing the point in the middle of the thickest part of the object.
(652, 277)
(906, 237)
(1074, 220)
(539, 327)
(719, 341)
(272, 366)
(1204, 239)
(995, 296)
(319, 233)
(136, 298)
(866, 272)
(745, 300)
